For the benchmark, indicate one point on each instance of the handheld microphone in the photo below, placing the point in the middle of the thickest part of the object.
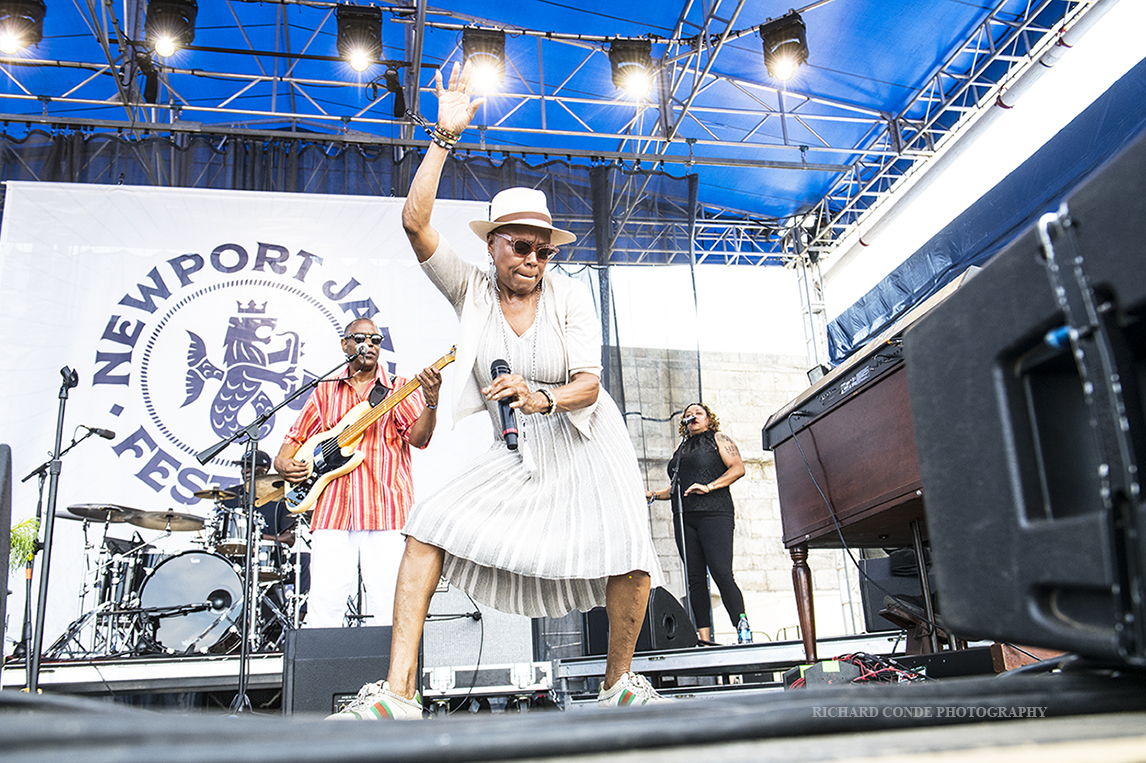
(508, 423)
(106, 434)
(688, 420)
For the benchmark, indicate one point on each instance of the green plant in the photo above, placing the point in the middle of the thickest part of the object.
(23, 542)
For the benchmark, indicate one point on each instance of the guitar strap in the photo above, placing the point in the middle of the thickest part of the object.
(380, 392)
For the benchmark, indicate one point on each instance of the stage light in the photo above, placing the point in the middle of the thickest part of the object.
(484, 51)
(170, 25)
(359, 35)
(785, 45)
(632, 65)
(358, 59)
(165, 46)
(21, 24)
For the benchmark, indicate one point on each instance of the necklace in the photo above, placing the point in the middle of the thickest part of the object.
(538, 302)
(525, 422)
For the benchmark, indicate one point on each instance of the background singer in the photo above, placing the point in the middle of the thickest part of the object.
(705, 463)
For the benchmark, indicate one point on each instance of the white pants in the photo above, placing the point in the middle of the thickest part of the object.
(334, 559)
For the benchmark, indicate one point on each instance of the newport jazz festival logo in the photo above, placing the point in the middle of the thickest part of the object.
(202, 345)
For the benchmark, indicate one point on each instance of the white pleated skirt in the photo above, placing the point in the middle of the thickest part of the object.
(544, 541)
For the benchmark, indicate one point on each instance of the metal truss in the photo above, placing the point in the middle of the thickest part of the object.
(1000, 50)
(273, 71)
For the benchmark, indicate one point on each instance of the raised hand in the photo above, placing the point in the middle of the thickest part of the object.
(455, 108)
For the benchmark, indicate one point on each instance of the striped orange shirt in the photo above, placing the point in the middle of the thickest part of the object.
(378, 494)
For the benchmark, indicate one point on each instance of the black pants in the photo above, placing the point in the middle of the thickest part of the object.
(707, 548)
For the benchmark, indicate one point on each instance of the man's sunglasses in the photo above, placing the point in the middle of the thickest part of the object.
(375, 339)
(522, 248)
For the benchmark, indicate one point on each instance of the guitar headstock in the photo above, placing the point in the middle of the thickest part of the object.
(446, 359)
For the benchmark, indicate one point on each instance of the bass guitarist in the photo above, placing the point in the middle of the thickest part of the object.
(359, 516)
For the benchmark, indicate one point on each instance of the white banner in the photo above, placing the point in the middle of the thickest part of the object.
(187, 313)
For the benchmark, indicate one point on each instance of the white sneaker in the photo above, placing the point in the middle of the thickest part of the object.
(630, 689)
(375, 702)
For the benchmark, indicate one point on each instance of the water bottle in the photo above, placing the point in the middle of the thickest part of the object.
(743, 632)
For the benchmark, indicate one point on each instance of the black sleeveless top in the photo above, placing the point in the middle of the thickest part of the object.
(699, 461)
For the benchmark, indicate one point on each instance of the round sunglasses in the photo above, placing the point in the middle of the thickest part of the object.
(522, 247)
(375, 339)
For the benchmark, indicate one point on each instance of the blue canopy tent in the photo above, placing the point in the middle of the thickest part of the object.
(988, 226)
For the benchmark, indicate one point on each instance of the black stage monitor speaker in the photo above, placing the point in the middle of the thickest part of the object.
(1026, 391)
(323, 668)
(666, 626)
(876, 583)
(5, 530)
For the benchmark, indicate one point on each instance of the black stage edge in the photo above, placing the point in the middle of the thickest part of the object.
(47, 728)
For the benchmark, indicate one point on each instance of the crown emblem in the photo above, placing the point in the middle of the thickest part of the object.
(252, 308)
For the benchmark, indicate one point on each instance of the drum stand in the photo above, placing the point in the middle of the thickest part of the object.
(268, 637)
(62, 646)
(295, 597)
(115, 617)
(72, 634)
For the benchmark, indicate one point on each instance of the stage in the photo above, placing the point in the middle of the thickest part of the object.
(1082, 715)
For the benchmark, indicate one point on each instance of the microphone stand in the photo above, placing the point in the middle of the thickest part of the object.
(676, 503)
(52, 467)
(241, 702)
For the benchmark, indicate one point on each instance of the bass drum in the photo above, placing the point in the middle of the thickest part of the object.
(197, 603)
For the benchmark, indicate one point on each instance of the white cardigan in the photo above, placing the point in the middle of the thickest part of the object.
(567, 301)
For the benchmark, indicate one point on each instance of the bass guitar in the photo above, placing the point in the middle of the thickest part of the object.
(333, 453)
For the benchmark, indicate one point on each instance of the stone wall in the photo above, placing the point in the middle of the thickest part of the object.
(743, 390)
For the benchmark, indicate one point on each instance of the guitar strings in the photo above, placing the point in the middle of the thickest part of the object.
(355, 429)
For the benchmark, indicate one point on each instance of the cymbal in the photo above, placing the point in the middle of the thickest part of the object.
(166, 520)
(269, 487)
(215, 494)
(103, 512)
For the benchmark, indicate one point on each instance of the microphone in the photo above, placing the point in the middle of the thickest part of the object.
(106, 434)
(508, 423)
(688, 420)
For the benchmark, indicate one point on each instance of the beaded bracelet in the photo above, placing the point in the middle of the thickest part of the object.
(449, 134)
(444, 138)
(552, 402)
(447, 139)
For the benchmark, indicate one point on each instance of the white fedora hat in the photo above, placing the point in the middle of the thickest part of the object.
(521, 206)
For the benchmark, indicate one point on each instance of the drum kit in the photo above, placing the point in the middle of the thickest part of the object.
(148, 601)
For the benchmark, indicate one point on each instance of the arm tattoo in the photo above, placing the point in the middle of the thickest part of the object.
(728, 443)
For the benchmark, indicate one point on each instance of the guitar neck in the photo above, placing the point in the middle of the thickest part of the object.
(355, 430)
